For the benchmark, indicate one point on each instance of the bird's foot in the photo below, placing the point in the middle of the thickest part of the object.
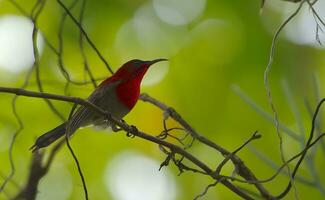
(132, 131)
(115, 128)
(169, 112)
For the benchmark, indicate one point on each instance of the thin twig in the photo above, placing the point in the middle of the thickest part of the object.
(67, 136)
(86, 35)
(275, 166)
(81, 45)
(298, 155)
(228, 157)
(259, 110)
(60, 49)
(206, 190)
(129, 129)
(268, 89)
(36, 59)
(309, 141)
(243, 170)
(14, 110)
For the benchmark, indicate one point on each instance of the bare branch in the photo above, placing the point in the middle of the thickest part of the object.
(284, 164)
(206, 190)
(263, 113)
(267, 84)
(36, 58)
(243, 170)
(67, 136)
(39, 5)
(129, 129)
(309, 141)
(29, 192)
(81, 45)
(229, 156)
(86, 35)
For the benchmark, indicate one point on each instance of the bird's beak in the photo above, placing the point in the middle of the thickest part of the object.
(155, 61)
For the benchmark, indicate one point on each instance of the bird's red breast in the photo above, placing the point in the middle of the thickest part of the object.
(128, 91)
(128, 79)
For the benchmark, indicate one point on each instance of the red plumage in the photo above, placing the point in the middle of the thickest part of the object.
(129, 91)
(117, 95)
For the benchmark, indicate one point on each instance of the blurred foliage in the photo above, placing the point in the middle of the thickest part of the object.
(225, 45)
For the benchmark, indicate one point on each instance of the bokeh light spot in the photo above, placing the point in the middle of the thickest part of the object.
(179, 12)
(302, 30)
(132, 176)
(155, 74)
(222, 49)
(146, 37)
(16, 46)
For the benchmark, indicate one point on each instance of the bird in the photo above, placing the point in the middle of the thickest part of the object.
(117, 95)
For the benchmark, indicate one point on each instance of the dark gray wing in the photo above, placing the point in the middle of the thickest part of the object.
(85, 116)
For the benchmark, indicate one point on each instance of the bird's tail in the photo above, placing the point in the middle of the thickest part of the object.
(49, 137)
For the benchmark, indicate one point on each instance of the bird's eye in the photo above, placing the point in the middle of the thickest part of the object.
(138, 63)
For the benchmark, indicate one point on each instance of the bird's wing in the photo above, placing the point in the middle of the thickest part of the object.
(85, 116)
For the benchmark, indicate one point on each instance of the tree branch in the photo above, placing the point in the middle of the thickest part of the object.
(129, 129)
(243, 170)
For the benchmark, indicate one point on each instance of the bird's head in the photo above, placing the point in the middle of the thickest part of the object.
(135, 69)
(131, 72)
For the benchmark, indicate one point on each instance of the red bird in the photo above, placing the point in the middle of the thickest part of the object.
(117, 95)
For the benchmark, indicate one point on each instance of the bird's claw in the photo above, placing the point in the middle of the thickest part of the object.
(133, 130)
(115, 128)
(170, 111)
(108, 116)
(128, 134)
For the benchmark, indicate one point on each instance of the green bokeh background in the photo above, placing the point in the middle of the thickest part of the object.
(224, 47)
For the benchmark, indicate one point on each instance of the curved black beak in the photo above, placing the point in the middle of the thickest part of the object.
(156, 60)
